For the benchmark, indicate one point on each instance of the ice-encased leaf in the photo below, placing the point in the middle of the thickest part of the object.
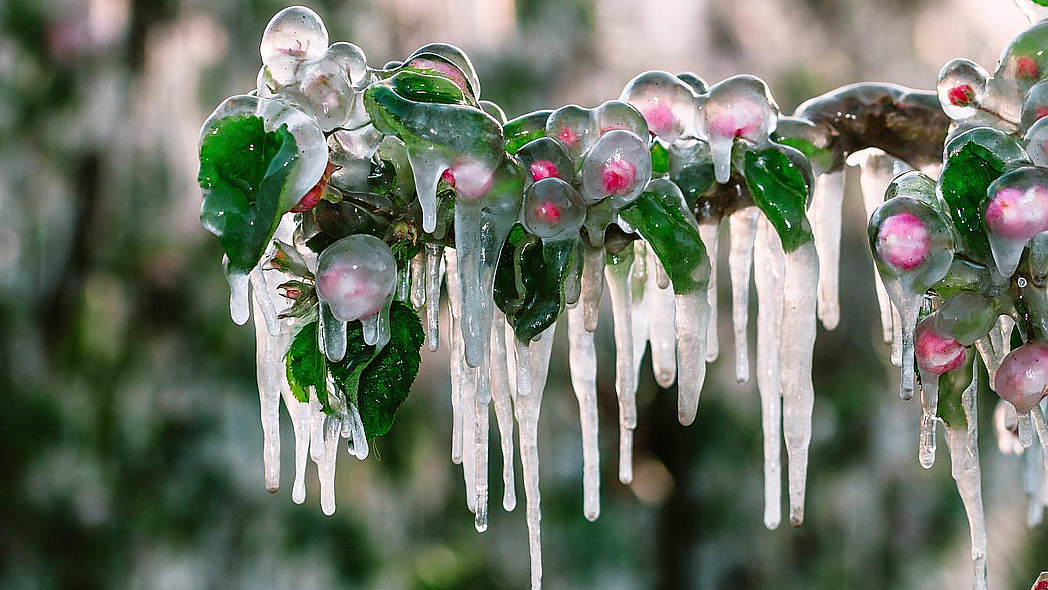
(661, 216)
(306, 366)
(243, 172)
(524, 129)
(379, 385)
(529, 280)
(780, 181)
(975, 159)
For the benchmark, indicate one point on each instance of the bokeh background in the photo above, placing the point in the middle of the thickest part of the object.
(130, 446)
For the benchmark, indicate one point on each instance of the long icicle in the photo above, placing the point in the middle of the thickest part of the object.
(526, 408)
(929, 407)
(742, 226)
(795, 362)
(617, 274)
(582, 360)
(826, 226)
(434, 278)
(456, 354)
(964, 463)
(710, 234)
(661, 330)
(269, 370)
(502, 398)
(768, 269)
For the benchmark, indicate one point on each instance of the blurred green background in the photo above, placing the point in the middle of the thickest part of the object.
(130, 446)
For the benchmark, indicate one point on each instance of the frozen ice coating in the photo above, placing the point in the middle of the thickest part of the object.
(575, 128)
(553, 209)
(740, 107)
(913, 248)
(457, 57)
(1022, 378)
(582, 360)
(617, 273)
(709, 232)
(768, 270)
(1016, 211)
(826, 227)
(742, 229)
(961, 88)
(293, 36)
(1036, 142)
(374, 146)
(545, 157)
(616, 115)
(617, 166)
(312, 157)
(355, 277)
(669, 105)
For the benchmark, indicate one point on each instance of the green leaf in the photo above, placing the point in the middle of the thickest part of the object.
(975, 160)
(376, 383)
(660, 159)
(403, 106)
(525, 129)
(815, 154)
(306, 366)
(661, 216)
(529, 280)
(243, 171)
(780, 182)
(951, 385)
(382, 382)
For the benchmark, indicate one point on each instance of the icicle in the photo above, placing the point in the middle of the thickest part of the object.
(353, 429)
(239, 304)
(269, 369)
(640, 305)
(1025, 428)
(434, 277)
(300, 415)
(457, 363)
(896, 340)
(592, 282)
(710, 233)
(795, 361)
(376, 327)
(526, 409)
(418, 280)
(500, 395)
(826, 226)
(325, 431)
(522, 352)
(332, 334)
(403, 288)
(768, 265)
(481, 464)
(263, 298)
(426, 170)
(876, 171)
(691, 316)
(742, 226)
(661, 331)
(467, 408)
(582, 359)
(964, 461)
(662, 278)
(1042, 431)
(987, 350)
(617, 274)
(929, 406)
